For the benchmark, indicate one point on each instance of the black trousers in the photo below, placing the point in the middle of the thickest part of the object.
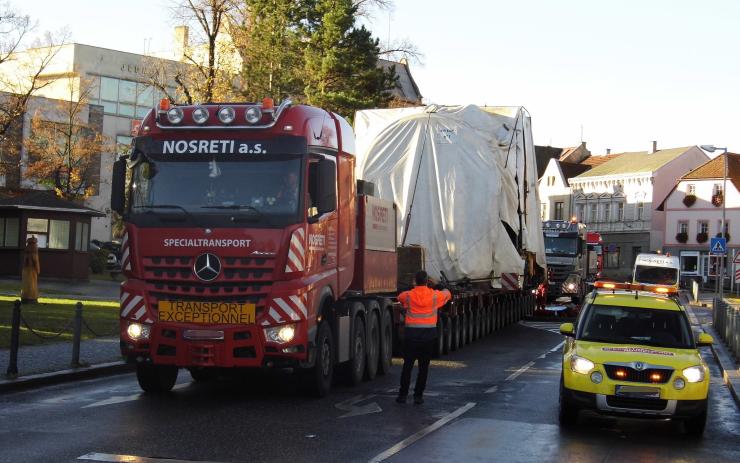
(418, 345)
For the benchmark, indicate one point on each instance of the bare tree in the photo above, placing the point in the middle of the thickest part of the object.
(63, 147)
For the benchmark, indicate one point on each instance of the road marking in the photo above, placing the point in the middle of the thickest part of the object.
(557, 347)
(420, 434)
(491, 390)
(354, 410)
(513, 376)
(114, 458)
(119, 399)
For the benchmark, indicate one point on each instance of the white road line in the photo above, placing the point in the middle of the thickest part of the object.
(114, 458)
(513, 376)
(417, 436)
(491, 390)
(557, 347)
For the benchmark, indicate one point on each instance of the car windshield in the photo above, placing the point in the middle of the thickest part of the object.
(264, 188)
(656, 275)
(634, 325)
(566, 246)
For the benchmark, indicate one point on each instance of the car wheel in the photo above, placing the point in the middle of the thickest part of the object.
(567, 413)
(695, 426)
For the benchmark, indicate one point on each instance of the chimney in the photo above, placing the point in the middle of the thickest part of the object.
(181, 42)
(608, 151)
(653, 147)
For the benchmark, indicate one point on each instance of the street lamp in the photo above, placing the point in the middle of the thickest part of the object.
(712, 149)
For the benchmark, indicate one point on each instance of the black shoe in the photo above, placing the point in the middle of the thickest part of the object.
(418, 400)
(401, 399)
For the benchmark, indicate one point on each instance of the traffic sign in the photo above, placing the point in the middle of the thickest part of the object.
(736, 260)
(737, 276)
(718, 246)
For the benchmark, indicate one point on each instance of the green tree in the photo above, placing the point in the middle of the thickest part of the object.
(341, 61)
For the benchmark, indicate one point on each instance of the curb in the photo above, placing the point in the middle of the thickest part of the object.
(64, 376)
(730, 376)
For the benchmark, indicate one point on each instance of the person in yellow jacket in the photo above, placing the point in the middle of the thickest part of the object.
(421, 304)
(31, 270)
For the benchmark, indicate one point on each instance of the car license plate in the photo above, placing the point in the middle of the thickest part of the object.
(206, 312)
(638, 392)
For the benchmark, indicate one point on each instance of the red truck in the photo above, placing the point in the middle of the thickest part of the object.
(248, 245)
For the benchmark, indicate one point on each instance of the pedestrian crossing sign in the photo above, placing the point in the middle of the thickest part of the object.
(718, 246)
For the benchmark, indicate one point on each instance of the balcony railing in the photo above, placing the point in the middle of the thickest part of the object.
(612, 227)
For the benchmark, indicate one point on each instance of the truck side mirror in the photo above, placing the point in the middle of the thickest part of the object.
(118, 186)
(327, 186)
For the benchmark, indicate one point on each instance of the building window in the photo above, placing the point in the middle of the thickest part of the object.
(126, 97)
(581, 213)
(592, 216)
(82, 236)
(607, 212)
(719, 226)
(9, 228)
(691, 189)
(558, 210)
(52, 234)
(612, 259)
(703, 227)
(640, 211)
(620, 212)
(683, 227)
(636, 250)
(543, 211)
(717, 188)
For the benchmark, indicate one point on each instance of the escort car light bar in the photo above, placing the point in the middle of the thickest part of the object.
(659, 289)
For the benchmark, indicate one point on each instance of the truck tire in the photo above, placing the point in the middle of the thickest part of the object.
(373, 345)
(439, 342)
(455, 328)
(465, 339)
(471, 327)
(318, 379)
(386, 342)
(355, 368)
(447, 330)
(156, 379)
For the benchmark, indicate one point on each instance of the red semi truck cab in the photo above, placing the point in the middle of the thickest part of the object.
(241, 245)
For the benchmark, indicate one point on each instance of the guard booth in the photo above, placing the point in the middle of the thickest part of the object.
(61, 227)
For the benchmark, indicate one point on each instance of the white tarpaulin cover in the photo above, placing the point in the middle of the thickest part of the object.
(452, 171)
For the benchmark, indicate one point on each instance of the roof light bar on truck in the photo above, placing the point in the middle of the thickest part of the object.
(253, 114)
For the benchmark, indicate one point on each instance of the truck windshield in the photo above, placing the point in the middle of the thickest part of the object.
(634, 325)
(266, 188)
(656, 275)
(568, 246)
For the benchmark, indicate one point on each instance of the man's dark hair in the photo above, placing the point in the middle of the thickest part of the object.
(421, 278)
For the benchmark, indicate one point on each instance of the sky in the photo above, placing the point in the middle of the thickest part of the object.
(614, 74)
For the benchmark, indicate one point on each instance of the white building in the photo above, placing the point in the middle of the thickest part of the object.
(618, 199)
(693, 211)
(554, 191)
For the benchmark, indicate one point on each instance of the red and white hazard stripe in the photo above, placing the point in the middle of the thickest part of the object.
(125, 256)
(133, 307)
(286, 309)
(510, 281)
(297, 252)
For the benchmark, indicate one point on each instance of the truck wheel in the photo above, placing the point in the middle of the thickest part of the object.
(471, 327)
(319, 378)
(386, 342)
(695, 426)
(455, 333)
(439, 342)
(373, 347)
(156, 378)
(447, 330)
(490, 319)
(463, 329)
(355, 368)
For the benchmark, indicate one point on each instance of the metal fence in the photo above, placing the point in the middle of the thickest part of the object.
(726, 318)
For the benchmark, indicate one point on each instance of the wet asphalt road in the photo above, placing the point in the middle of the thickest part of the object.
(504, 388)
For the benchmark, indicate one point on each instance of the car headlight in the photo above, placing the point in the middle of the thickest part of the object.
(280, 334)
(175, 115)
(581, 365)
(138, 331)
(694, 374)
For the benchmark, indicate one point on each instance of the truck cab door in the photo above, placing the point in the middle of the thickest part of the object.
(321, 215)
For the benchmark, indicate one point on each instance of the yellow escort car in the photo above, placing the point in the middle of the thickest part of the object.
(632, 353)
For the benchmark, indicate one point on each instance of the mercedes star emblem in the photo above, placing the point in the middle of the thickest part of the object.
(207, 266)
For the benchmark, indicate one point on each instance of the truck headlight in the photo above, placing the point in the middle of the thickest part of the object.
(280, 334)
(581, 365)
(694, 374)
(138, 331)
(253, 114)
(200, 115)
(175, 115)
(571, 286)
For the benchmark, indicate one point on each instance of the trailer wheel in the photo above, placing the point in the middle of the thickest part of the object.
(319, 378)
(439, 342)
(487, 321)
(386, 342)
(471, 327)
(373, 346)
(355, 368)
(455, 333)
(447, 330)
(156, 379)
(465, 340)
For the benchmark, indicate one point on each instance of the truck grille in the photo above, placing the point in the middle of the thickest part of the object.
(558, 273)
(242, 280)
(650, 375)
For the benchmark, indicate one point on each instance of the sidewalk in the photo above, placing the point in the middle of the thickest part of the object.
(93, 289)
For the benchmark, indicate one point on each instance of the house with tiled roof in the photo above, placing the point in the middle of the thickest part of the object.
(618, 198)
(693, 211)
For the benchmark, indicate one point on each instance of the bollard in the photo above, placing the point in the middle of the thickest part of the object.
(15, 331)
(77, 335)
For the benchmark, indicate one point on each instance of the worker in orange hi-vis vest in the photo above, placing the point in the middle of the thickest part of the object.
(421, 304)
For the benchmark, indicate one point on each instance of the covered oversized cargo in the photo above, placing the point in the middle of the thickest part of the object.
(464, 179)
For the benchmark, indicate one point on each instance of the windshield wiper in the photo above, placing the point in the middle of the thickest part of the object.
(169, 206)
(235, 206)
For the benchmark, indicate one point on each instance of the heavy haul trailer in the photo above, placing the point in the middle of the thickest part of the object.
(464, 182)
(240, 247)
